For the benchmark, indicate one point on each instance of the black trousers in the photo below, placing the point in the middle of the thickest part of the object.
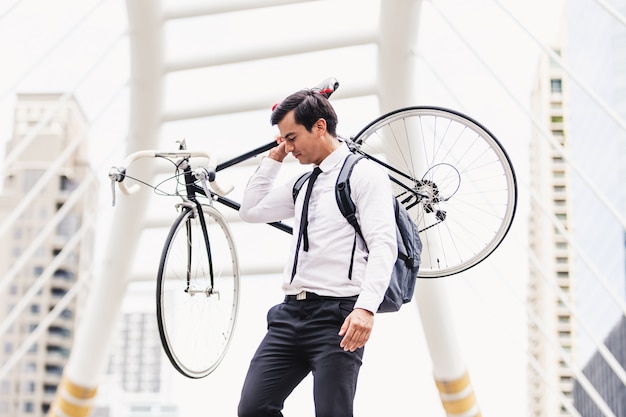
(301, 338)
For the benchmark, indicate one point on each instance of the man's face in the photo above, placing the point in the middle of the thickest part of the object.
(304, 146)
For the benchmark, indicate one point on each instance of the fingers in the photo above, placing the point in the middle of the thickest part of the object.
(344, 327)
(278, 153)
(356, 330)
(353, 341)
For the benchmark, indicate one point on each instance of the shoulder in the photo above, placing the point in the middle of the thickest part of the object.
(369, 180)
(366, 170)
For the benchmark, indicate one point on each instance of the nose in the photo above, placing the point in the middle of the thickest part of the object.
(289, 146)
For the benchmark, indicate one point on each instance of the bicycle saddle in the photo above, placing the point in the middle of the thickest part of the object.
(327, 87)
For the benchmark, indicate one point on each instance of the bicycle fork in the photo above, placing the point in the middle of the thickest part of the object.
(210, 290)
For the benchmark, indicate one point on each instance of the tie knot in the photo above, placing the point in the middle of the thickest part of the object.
(316, 172)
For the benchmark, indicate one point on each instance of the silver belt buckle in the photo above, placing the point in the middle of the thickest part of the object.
(301, 295)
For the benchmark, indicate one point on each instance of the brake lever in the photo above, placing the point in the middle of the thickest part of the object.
(116, 175)
(204, 175)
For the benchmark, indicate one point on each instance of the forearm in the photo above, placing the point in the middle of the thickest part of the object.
(377, 221)
(261, 202)
(378, 273)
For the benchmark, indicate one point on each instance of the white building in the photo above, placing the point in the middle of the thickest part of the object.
(137, 381)
(551, 328)
(47, 209)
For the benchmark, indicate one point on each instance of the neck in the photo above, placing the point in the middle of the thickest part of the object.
(331, 143)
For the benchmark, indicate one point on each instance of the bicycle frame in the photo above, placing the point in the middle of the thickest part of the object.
(234, 161)
(475, 221)
(414, 197)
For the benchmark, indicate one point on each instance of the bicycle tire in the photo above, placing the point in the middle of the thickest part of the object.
(455, 179)
(196, 321)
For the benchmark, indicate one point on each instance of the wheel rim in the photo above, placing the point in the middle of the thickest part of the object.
(196, 322)
(457, 170)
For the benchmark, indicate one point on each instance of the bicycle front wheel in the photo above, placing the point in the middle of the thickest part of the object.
(197, 291)
(453, 176)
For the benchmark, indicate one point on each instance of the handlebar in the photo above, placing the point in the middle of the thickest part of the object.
(204, 174)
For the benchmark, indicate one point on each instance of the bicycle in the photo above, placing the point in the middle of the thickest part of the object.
(427, 152)
(198, 275)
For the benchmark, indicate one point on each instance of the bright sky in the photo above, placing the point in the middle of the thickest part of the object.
(38, 54)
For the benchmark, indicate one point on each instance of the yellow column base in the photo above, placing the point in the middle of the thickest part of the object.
(457, 397)
(72, 400)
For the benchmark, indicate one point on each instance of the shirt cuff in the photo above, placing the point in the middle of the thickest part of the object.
(269, 167)
(367, 301)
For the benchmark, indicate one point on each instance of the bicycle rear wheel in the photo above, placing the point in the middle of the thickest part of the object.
(455, 179)
(197, 292)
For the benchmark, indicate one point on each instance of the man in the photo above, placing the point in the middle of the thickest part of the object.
(333, 284)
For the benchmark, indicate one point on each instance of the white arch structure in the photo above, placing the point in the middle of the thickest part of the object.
(394, 87)
(396, 42)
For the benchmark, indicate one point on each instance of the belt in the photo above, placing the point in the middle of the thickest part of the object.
(311, 296)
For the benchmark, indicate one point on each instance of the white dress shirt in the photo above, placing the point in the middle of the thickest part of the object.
(324, 269)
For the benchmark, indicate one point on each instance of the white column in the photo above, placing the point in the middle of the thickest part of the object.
(397, 62)
(91, 346)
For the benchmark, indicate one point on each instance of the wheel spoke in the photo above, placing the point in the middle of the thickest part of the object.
(196, 315)
(465, 198)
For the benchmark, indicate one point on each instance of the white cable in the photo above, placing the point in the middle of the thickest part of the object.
(602, 349)
(49, 52)
(563, 355)
(43, 326)
(612, 11)
(540, 126)
(51, 113)
(556, 58)
(27, 297)
(537, 367)
(10, 9)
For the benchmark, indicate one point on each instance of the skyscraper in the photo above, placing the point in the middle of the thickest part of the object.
(577, 283)
(597, 55)
(551, 328)
(596, 42)
(47, 210)
(604, 378)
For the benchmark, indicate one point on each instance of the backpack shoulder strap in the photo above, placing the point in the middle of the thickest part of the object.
(299, 183)
(342, 191)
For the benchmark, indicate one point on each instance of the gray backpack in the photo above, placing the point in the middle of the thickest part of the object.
(404, 274)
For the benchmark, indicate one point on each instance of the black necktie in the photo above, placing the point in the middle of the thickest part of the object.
(304, 220)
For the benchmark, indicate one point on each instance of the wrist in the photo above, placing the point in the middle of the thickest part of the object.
(365, 310)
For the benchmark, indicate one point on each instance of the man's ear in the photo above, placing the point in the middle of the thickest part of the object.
(320, 125)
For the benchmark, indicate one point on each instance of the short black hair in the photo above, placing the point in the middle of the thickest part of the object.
(309, 106)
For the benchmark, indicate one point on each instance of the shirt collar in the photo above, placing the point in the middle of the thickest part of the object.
(335, 157)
